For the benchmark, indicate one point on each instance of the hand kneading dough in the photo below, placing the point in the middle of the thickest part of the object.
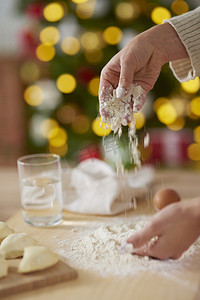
(3, 267)
(37, 258)
(14, 244)
(4, 231)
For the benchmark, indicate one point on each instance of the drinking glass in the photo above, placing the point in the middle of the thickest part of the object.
(41, 189)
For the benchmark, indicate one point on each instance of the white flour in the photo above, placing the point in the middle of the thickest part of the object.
(118, 108)
(120, 105)
(97, 249)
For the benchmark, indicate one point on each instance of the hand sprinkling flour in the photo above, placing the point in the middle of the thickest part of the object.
(118, 106)
(117, 109)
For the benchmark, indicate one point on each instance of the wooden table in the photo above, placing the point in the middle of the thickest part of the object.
(89, 285)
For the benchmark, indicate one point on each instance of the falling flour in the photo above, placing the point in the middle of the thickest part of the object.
(97, 249)
(118, 108)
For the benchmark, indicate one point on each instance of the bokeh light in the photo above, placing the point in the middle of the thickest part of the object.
(193, 152)
(50, 35)
(66, 114)
(166, 113)
(112, 35)
(66, 83)
(139, 119)
(126, 11)
(70, 45)
(79, 1)
(57, 137)
(81, 124)
(191, 86)
(29, 72)
(177, 125)
(158, 102)
(46, 127)
(33, 95)
(190, 113)
(99, 128)
(61, 151)
(93, 86)
(45, 52)
(85, 10)
(159, 14)
(180, 105)
(195, 106)
(53, 12)
(90, 40)
(179, 7)
(197, 134)
(94, 57)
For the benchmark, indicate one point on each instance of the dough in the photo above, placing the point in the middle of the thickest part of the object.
(37, 258)
(3, 267)
(4, 231)
(14, 244)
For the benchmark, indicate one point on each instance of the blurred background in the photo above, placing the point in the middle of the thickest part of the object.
(51, 56)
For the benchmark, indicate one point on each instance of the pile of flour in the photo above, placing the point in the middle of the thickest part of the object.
(97, 249)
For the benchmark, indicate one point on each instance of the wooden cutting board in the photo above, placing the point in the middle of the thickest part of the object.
(17, 283)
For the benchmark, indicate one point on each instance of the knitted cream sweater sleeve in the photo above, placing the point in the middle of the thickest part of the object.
(187, 27)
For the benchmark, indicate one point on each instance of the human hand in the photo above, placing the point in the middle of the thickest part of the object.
(139, 63)
(177, 226)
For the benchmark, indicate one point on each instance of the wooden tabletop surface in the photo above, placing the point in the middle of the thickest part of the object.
(89, 285)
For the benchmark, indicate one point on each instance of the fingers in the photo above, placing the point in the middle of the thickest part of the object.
(143, 236)
(126, 76)
(158, 249)
(105, 91)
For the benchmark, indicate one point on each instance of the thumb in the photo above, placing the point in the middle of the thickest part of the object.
(125, 79)
(142, 237)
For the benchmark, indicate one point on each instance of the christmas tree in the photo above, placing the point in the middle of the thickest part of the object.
(64, 50)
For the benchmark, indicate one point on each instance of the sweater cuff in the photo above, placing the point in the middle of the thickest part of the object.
(187, 27)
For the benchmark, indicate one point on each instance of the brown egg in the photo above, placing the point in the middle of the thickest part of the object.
(165, 197)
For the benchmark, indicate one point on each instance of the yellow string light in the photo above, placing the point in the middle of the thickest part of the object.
(158, 102)
(46, 127)
(33, 95)
(167, 114)
(45, 52)
(177, 125)
(57, 137)
(61, 151)
(90, 40)
(191, 86)
(159, 14)
(53, 12)
(70, 45)
(139, 119)
(66, 83)
(112, 35)
(79, 1)
(126, 11)
(50, 35)
(99, 128)
(195, 106)
(85, 10)
(179, 7)
(93, 86)
(197, 134)
(193, 152)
